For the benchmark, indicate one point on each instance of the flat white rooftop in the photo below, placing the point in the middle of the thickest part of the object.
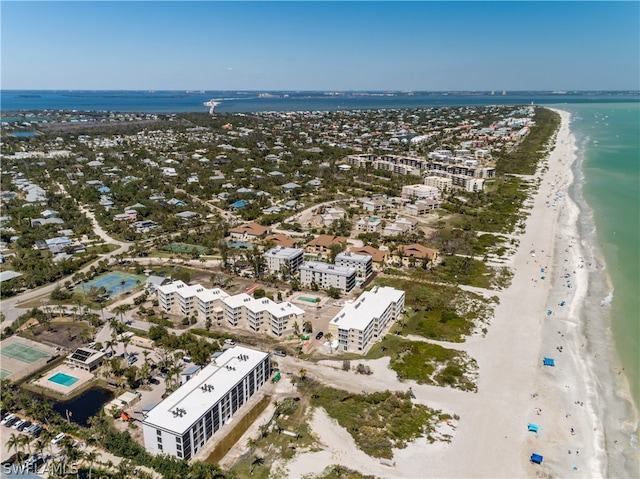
(262, 304)
(369, 305)
(353, 257)
(327, 268)
(189, 402)
(284, 253)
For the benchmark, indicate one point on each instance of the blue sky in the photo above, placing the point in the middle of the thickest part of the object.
(320, 45)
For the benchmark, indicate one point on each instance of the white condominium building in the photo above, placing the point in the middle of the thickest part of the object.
(442, 183)
(180, 298)
(420, 191)
(360, 323)
(262, 314)
(326, 275)
(362, 263)
(281, 259)
(181, 424)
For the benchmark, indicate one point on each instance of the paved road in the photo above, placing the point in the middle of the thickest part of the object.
(11, 308)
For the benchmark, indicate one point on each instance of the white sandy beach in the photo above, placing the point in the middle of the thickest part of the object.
(491, 439)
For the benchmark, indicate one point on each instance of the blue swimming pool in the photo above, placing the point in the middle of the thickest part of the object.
(63, 379)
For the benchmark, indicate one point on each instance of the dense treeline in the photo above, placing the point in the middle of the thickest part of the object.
(524, 160)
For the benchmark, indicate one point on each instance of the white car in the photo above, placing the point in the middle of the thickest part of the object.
(19, 423)
(58, 438)
(7, 419)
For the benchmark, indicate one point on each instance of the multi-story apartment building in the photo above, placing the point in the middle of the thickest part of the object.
(358, 325)
(242, 310)
(326, 275)
(180, 298)
(422, 192)
(281, 259)
(262, 315)
(440, 182)
(181, 424)
(363, 264)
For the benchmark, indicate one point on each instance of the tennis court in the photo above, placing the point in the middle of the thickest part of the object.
(115, 282)
(24, 353)
(4, 373)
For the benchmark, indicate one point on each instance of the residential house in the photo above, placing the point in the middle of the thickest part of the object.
(321, 245)
(421, 207)
(283, 240)
(372, 224)
(249, 232)
(378, 257)
(415, 254)
(373, 205)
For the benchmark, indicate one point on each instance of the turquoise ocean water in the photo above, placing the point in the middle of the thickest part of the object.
(608, 141)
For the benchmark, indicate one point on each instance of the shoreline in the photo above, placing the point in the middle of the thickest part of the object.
(577, 405)
(618, 409)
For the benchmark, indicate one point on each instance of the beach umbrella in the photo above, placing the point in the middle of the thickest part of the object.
(562, 303)
(532, 427)
(549, 312)
(548, 362)
(536, 458)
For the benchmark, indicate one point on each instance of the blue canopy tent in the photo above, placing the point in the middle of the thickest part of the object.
(532, 427)
(548, 362)
(536, 458)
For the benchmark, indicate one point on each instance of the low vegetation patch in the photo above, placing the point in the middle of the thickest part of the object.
(443, 313)
(338, 472)
(378, 422)
(427, 363)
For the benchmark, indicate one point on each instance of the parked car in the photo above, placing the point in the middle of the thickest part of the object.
(319, 335)
(37, 430)
(230, 342)
(131, 360)
(17, 457)
(19, 423)
(58, 438)
(24, 426)
(278, 352)
(7, 419)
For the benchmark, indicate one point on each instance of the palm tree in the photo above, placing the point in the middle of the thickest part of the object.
(14, 442)
(25, 441)
(109, 344)
(91, 457)
(39, 446)
(329, 337)
(125, 340)
(303, 374)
